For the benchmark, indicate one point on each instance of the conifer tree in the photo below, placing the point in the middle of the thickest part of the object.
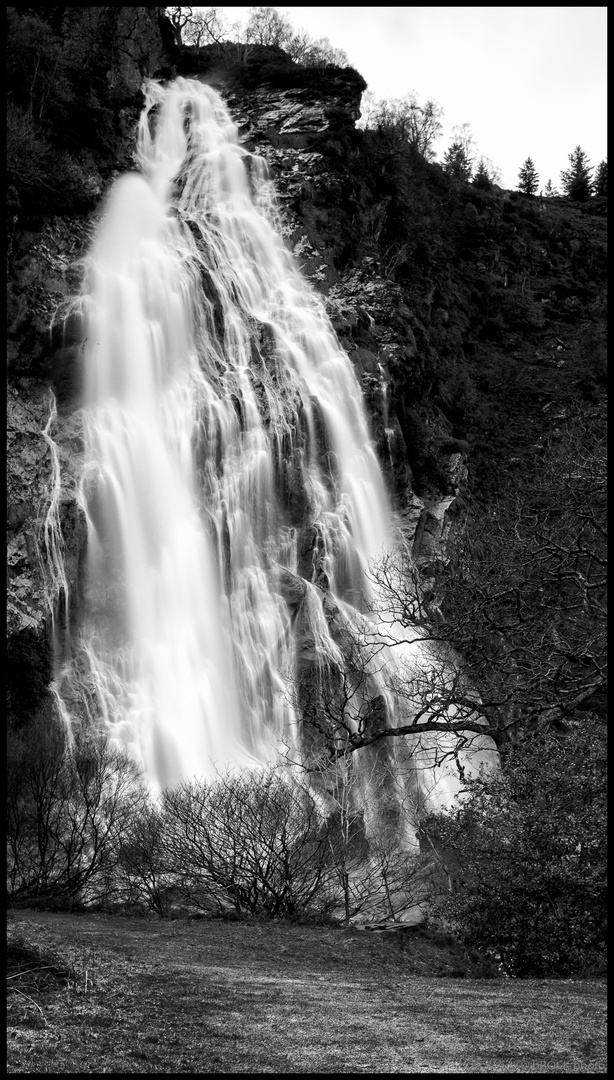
(482, 178)
(459, 157)
(549, 191)
(456, 162)
(601, 179)
(577, 182)
(528, 178)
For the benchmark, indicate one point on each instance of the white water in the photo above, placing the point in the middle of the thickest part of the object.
(222, 416)
(51, 542)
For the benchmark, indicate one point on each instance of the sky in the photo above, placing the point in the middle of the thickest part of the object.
(531, 81)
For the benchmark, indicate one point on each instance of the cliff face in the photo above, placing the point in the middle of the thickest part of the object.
(474, 320)
(302, 132)
(76, 78)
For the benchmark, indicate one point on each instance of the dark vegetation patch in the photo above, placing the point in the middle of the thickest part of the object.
(74, 77)
(248, 67)
(501, 296)
(32, 968)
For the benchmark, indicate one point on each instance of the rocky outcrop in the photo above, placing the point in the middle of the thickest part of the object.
(46, 538)
(28, 477)
(45, 274)
(293, 129)
(44, 444)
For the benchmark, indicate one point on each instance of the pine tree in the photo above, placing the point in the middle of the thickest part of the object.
(482, 178)
(456, 162)
(459, 158)
(528, 177)
(549, 191)
(601, 179)
(577, 182)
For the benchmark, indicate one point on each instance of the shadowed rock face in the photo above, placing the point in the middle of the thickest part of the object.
(38, 513)
(298, 131)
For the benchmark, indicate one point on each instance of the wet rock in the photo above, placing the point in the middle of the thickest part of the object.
(32, 588)
(432, 533)
(292, 588)
(44, 274)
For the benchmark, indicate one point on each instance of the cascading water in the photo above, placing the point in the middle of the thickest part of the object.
(229, 464)
(51, 555)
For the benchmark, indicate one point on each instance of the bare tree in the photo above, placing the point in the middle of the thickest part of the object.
(68, 811)
(179, 17)
(265, 26)
(381, 872)
(316, 53)
(385, 674)
(511, 642)
(405, 120)
(198, 26)
(249, 841)
(144, 873)
(524, 593)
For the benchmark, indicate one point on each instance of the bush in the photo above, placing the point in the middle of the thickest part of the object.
(142, 862)
(526, 858)
(68, 809)
(250, 841)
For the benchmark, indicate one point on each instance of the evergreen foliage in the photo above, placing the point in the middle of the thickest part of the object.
(601, 179)
(524, 589)
(576, 180)
(456, 162)
(549, 191)
(460, 156)
(482, 178)
(528, 178)
(526, 858)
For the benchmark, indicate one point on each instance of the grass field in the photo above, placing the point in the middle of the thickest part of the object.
(114, 994)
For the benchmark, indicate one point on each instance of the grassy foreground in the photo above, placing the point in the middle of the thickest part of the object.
(143, 995)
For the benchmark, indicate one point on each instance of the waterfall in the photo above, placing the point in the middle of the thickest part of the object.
(50, 543)
(230, 480)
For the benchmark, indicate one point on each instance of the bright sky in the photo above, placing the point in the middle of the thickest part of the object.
(531, 81)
